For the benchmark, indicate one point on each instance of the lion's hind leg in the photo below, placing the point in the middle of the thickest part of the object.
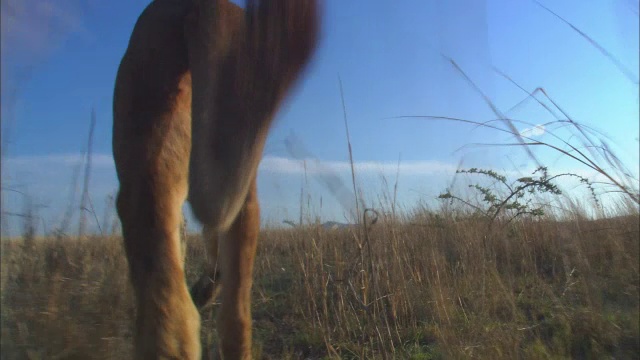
(208, 285)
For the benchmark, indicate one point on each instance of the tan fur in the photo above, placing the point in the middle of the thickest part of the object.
(194, 99)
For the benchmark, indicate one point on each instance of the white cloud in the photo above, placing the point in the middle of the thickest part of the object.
(274, 164)
(32, 28)
(103, 163)
(52, 184)
(48, 180)
(269, 164)
(36, 162)
(537, 130)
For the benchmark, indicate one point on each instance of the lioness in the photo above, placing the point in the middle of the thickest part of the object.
(195, 95)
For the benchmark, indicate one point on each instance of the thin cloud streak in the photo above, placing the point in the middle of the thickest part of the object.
(37, 161)
(275, 164)
(283, 166)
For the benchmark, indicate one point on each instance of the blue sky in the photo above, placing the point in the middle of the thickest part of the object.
(59, 59)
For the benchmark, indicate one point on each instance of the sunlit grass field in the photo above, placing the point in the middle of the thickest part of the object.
(428, 285)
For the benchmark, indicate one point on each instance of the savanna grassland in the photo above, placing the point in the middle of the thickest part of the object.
(506, 274)
(429, 285)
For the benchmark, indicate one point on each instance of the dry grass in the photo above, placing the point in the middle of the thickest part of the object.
(432, 285)
(425, 287)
